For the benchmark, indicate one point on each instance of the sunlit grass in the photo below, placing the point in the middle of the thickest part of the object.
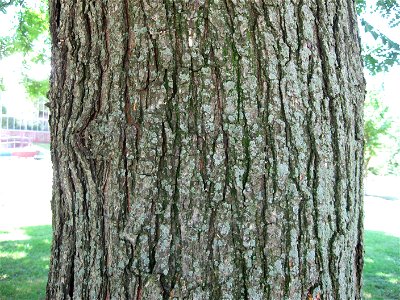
(24, 264)
(382, 266)
(12, 255)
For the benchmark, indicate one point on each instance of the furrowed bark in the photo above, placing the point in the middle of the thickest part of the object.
(206, 150)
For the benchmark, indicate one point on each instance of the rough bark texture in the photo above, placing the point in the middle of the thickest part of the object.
(206, 149)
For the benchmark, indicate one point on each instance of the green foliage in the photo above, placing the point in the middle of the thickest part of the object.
(2, 87)
(42, 55)
(32, 29)
(376, 125)
(36, 89)
(385, 53)
(5, 42)
(5, 4)
(390, 9)
(382, 56)
(31, 24)
(31, 38)
(394, 161)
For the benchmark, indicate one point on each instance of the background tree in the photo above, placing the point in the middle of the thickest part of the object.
(385, 53)
(33, 25)
(206, 150)
(380, 129)
(394, 161)
(377, 124)
(29, 37)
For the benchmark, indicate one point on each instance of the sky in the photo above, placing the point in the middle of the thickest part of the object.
(389, 81)
(11, 68)
(15, 97)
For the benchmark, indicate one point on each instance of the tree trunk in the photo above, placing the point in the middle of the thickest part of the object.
(206, 149)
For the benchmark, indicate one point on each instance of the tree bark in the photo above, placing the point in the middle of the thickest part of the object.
(206, 149)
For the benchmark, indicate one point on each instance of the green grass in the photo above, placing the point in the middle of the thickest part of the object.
(45, 146)
(382, 266)
(24, 263)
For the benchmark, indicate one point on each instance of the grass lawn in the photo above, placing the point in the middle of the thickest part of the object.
(381, 266)
(45, 146)
(24, 263)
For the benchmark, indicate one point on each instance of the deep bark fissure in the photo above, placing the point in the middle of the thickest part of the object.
(206, 150)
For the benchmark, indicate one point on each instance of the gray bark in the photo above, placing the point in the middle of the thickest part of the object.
(206, 149)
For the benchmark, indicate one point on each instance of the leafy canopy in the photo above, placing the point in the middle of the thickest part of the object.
(30, 36)
(384, 53)
(376, 125)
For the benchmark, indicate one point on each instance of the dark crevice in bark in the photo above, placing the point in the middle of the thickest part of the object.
(126, 174)
(166, 287)
(315, 183)
(237, 242)
(105, 31)
(337, 193)
(263, 236)
(299, 31)
(176, 238)
(337, 157)
(139, 291)
(55, 12)
(229, 6)
(71, 271)
(313, 180)
(153, 241)
(104, 231)
(336, 31)
(286, 226)
(71, 281)
(153, 41)
(88, 27)
(224, 89)
(351, 11)
(257, 53)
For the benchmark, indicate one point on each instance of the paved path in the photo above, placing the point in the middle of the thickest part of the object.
(25, 193)
(382, 204)
(387, 187)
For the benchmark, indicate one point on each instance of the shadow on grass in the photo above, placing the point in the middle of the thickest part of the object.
(24, 263)
(381, 266)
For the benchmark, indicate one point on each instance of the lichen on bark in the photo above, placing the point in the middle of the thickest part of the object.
(207, 149)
